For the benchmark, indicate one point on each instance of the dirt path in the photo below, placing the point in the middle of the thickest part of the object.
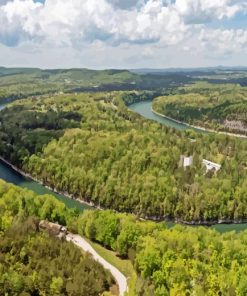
(83, 244)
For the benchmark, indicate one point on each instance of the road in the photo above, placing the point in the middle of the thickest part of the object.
(84, 245)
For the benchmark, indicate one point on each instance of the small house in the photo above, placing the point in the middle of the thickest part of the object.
(53, 228)
(211, 166)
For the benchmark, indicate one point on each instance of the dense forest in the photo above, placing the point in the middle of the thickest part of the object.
(169, 261)
(176, 261)
(91, 146)
(36, 263)
(221, 107)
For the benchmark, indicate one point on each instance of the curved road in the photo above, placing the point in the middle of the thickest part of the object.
(85, 246)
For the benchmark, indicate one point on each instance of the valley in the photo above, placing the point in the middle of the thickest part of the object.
(123, 148)
(108, 149)
(116, 159)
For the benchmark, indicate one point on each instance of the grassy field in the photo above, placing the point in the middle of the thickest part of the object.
(124, 265)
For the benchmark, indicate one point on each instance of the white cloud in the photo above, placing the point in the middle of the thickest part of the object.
(87, 20)
(224, 41)
(201, 11)
(97, 26)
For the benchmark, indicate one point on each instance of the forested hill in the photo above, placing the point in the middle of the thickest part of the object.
(221, 107)
(36, 263)
(17, 83)
(93, 147)
(176, 261)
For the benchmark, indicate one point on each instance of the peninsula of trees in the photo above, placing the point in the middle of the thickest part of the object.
(91, 146)
(219, 107)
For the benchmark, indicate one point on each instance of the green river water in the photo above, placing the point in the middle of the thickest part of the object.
(144, 108)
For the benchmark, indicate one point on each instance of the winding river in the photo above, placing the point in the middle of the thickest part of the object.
(144, 108)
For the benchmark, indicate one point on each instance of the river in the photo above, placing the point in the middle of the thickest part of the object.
(144, 108)
(2, 107)
(11, 176)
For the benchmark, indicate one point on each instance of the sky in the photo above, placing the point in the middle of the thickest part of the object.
(125, 34)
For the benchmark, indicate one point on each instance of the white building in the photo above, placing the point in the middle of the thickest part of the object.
(211, 165)
(186, 161)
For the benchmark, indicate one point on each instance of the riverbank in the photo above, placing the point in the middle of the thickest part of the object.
(195, 223)
(151, 218)
(54, 190)
(199, 128)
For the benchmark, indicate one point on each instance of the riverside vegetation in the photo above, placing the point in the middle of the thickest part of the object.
(221, 107)
(91, 146)
(177, 261)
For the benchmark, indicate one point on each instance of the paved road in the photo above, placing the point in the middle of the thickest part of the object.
(83, 244)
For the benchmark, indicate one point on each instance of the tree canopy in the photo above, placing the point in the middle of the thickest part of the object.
(221, 107)
(36, 263)
(180, 260)
(92, 147)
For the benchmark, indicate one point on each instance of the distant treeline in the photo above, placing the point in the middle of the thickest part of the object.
(17, 83)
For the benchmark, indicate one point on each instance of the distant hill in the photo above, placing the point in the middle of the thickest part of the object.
(188, 70)
(17, 83)
(22, 82)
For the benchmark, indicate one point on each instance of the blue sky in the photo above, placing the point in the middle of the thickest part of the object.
(123, 33)
(237, 22)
